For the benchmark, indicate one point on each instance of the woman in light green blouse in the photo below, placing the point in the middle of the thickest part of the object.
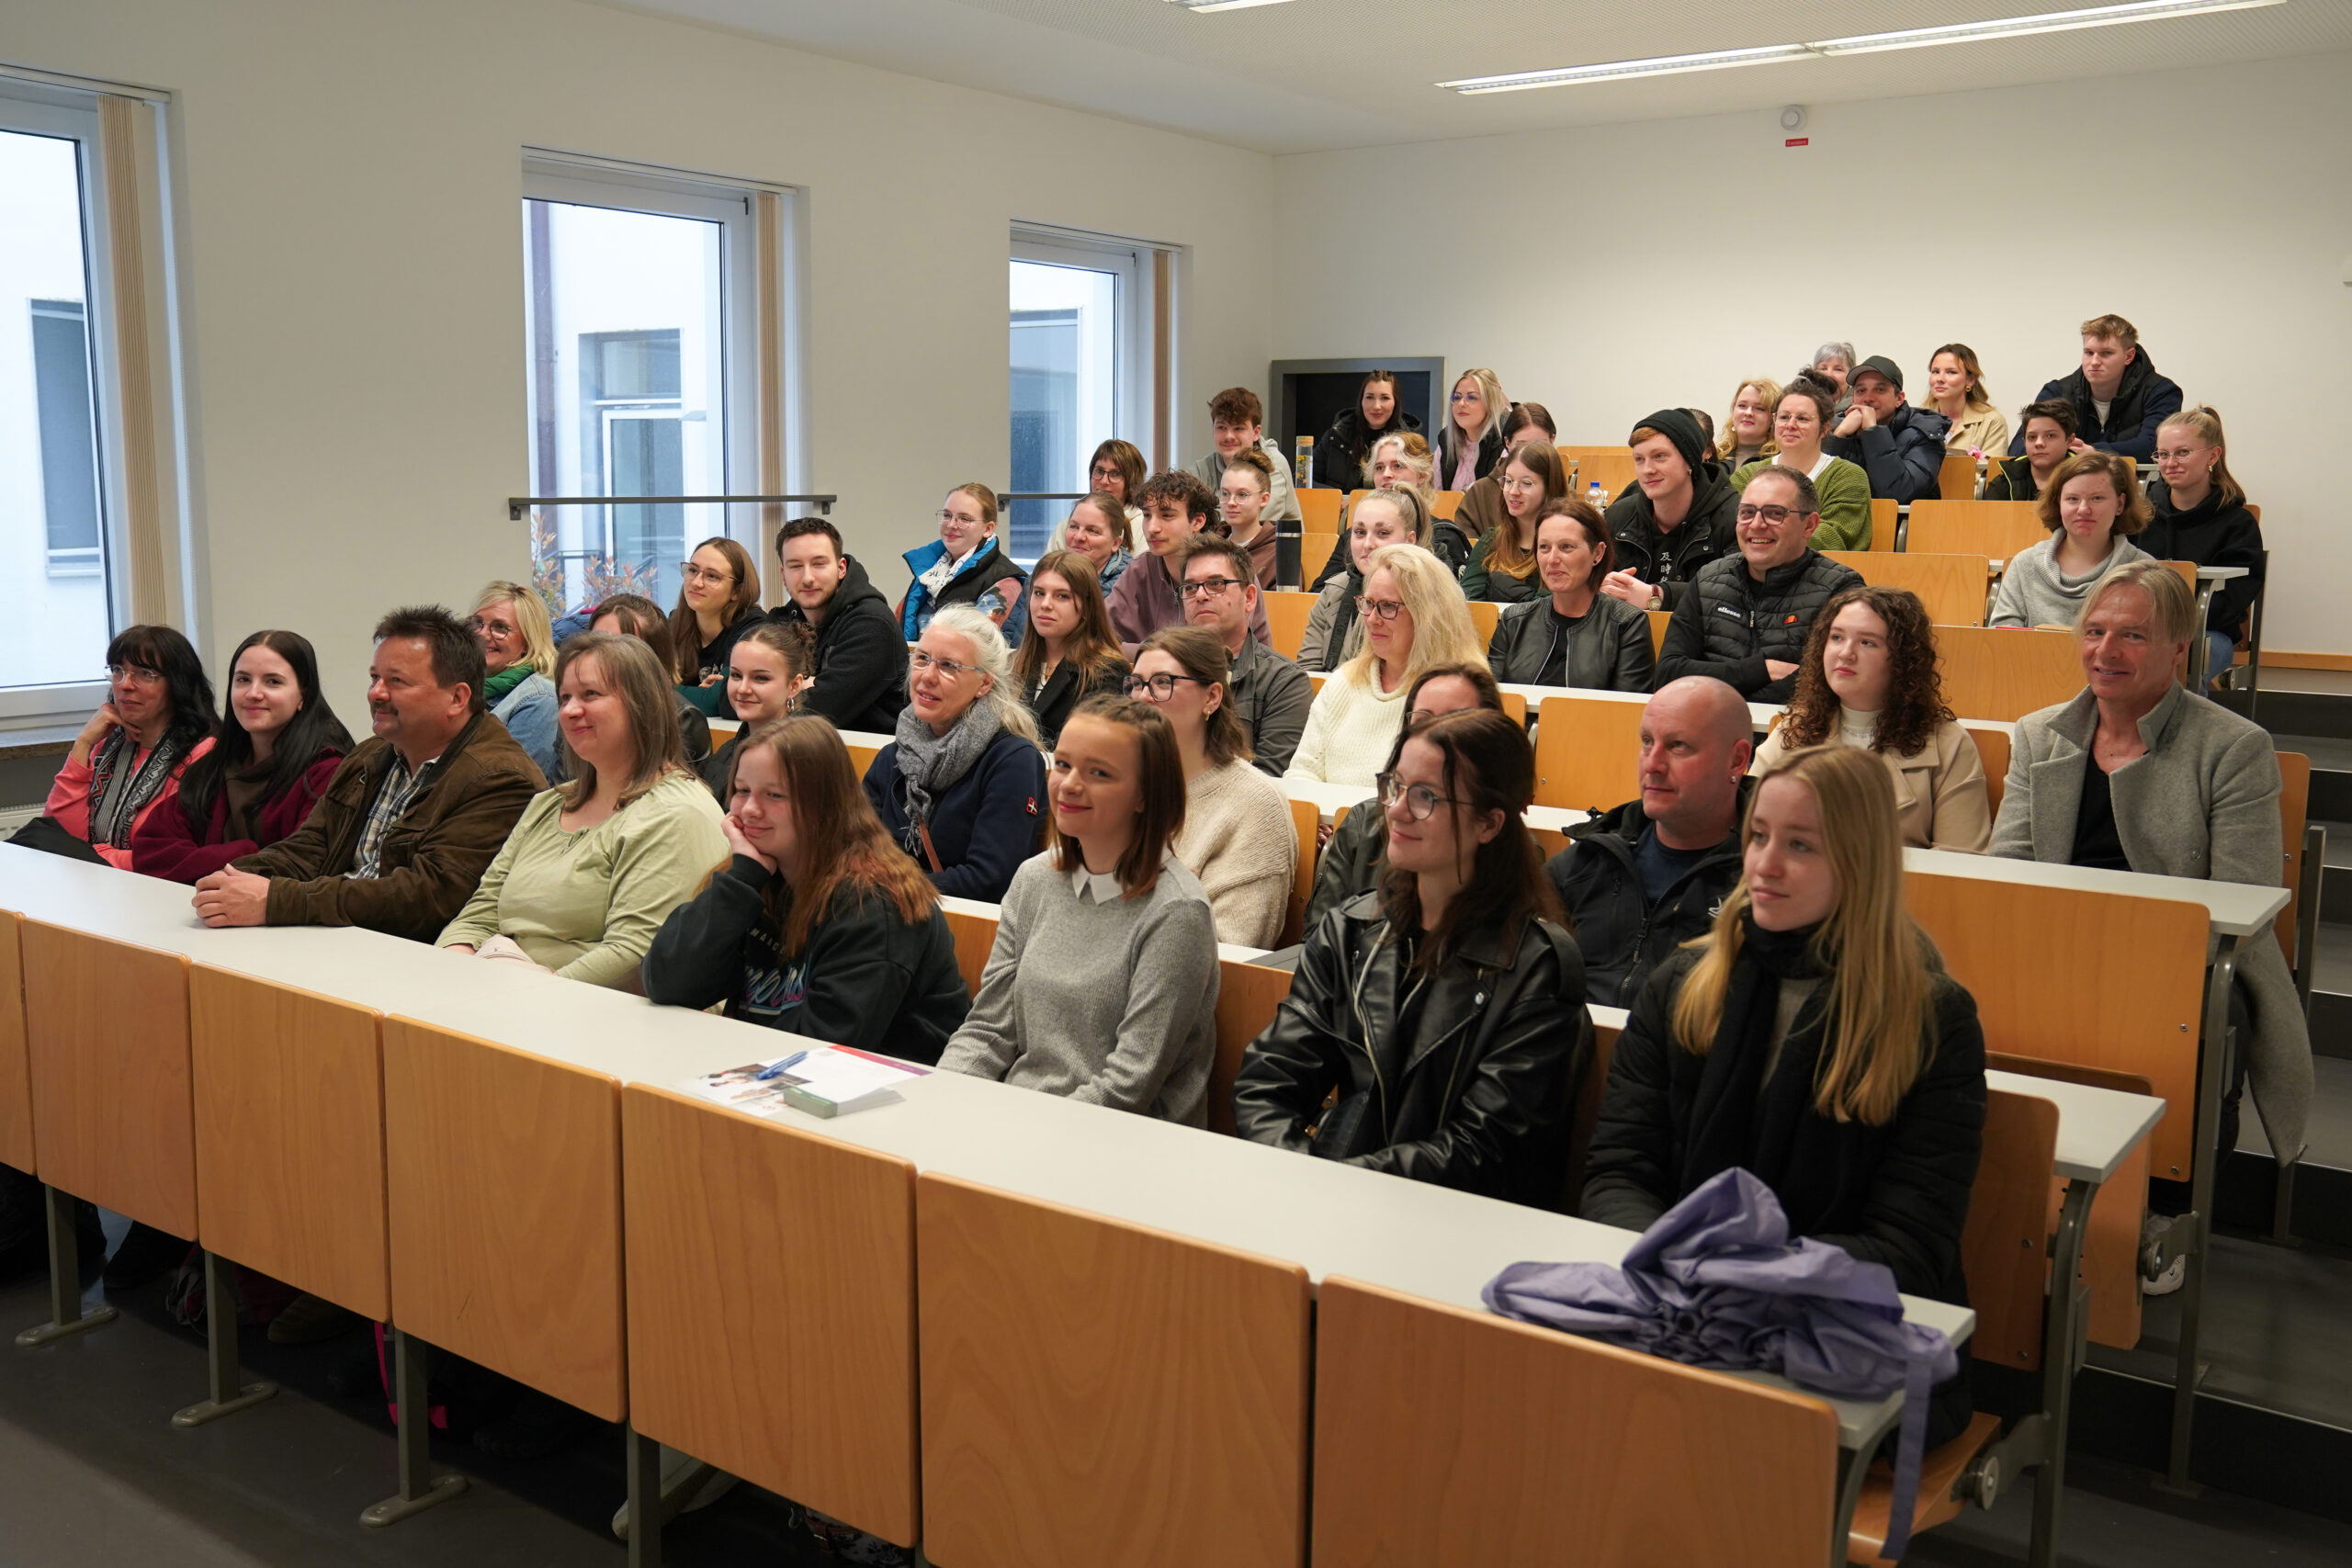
(1799, 422)
(595, 865)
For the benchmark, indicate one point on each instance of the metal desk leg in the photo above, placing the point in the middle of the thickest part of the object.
(644, 1467)
(2212, 1062)
(230, 1392)
(2064, 1327)
(2201, 652)
(420, 1488)
(65, 1314)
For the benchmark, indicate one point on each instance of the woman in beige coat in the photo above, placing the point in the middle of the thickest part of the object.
(1868, 679)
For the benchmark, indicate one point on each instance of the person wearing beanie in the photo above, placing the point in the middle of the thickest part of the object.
(1901, 447)
(1675, 517)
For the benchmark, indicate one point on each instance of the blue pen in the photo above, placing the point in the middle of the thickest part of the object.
(780, 1068)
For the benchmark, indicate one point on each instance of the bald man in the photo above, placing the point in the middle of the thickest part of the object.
(1650, 876)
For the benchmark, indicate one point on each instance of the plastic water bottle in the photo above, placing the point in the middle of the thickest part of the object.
(1597, 496)
(1305, 476)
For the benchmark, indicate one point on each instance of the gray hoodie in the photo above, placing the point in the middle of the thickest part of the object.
(2032, 593)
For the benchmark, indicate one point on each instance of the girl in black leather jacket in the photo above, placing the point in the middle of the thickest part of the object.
(1448, 1007)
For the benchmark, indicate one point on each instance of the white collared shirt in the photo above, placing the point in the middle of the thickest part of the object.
(1098, 887)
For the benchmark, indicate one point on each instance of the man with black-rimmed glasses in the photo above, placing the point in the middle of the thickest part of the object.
(1271, 694)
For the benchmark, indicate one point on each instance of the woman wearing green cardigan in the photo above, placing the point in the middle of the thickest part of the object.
(1798, 424)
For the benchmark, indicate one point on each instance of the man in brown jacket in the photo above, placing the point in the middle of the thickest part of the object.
(413, 817)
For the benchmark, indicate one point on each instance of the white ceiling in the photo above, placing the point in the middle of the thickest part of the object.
(1317, 74)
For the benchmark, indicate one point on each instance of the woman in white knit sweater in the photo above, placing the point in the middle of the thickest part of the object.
(1238, 837)
(1414, 616)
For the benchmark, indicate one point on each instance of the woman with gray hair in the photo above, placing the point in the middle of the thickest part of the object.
(963, 788)
(1836, 361)
(2137, 774)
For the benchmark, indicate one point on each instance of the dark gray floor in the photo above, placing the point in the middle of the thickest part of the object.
(2329, 1131)
(92, 1474)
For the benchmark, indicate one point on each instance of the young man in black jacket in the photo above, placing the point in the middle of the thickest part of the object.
(1901, 447)
(1746, 617)
(861, 680)
(2119, 401)
(1676, 516)
(1641, 880)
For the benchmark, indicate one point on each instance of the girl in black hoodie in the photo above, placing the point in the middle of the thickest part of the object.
(818, 924)
(2201, 516)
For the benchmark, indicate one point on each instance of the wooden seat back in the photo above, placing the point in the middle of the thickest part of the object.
(2128, 996)
(1993, 738)
(15, 1064)
(1305, 819)
(1248, 997)
(1956, 481)
(1586, 1114)
(503, 1181)
(2112, 1239)
(1587, 453)
(2005, 673)
(105, 1041)
(1315, 548)
(2294, 812)
(1658, 622)
(1319, 512)
(1996, 528)
(1444, 504)
(1286, 615)
(862, 756)
(1586, 751)
(1950, 587)
(975, 937)
(288, 1089)
(1446, 1437)
(1612, 474)
(1485, 615)
(1886, 521)
(1094, 1392)
(709, 1194)
(2005, 1249)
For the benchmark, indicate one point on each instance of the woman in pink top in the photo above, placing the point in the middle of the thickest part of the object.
(128, 759)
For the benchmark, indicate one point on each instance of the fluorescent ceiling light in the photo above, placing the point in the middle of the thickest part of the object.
(1862, 43)
(1222, 5)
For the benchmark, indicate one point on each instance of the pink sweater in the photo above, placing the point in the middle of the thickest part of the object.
(69, 799)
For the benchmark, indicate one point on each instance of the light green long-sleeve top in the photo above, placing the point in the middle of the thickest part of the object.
(586, 904)
(1844, 491)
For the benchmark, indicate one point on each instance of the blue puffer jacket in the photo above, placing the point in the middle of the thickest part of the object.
(984, 824)
(987, 571)
(528, 714)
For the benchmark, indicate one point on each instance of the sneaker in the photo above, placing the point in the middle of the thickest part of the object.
(2158, 1278)
(312, 1320)
(848, 1544)
(145, 1255)
(688, 1484)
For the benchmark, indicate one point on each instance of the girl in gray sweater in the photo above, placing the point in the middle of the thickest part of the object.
(1102, 982)
(2091, 506)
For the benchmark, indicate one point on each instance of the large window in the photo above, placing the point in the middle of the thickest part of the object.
(53, 538)
(638, 303)
(1080, 369)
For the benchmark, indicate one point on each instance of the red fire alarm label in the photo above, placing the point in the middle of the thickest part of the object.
(1798, 141)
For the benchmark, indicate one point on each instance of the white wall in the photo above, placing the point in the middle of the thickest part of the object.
(1609, 271)
(352, 174)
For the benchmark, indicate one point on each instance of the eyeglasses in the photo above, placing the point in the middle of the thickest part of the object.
(134, 675)
(919, 659)
(1159, 687)
(947, 516)
(1466, 398)
(1775, 515)
(1202, 587)
(1381, 609)
(693, 573)
(1420, 801)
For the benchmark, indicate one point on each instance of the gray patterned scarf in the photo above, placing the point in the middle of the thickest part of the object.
(930, 765)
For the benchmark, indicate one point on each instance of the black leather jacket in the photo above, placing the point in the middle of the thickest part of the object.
(1609, 651)
(1487, 1078)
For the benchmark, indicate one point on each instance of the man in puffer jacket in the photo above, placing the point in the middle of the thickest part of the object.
(1747, 616)
(2119, 401)
(1901, 447)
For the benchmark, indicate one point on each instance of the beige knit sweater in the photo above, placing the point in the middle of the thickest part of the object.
(1350, 729)
(1239, 840)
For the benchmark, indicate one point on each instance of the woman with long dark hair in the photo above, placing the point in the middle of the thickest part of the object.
(1813, 1039)
(817, 923)
(1868, 679)
(126, 764)
(1502, 567)
(1343, 456)
(1445, 1009)
(1070, 652)
(272, 755)
(718, 597)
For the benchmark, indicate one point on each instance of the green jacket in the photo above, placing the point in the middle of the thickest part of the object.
(1844, 491)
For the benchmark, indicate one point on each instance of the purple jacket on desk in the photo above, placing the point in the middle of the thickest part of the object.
(1716, 1282)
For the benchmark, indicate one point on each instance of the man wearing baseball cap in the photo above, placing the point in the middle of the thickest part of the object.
(1674, 519)
(1901, 447)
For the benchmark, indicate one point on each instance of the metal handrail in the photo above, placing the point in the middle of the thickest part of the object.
(1042, 495)
(517, 505)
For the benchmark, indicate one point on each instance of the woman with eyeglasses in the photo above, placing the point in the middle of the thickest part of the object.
(1502, 567)
(1413, 617)
(1098, 529)
(1443, 1010)
(963, 788)
(633, 615)
(966, 565)
(126, 764)
(719, 598)
(1070, 652)
(1575, 635)
(1333, 635)
(1807, 408)
(1118, 470)
(1101, 984)
(518, 653)
(1238, 837)
(270, 761)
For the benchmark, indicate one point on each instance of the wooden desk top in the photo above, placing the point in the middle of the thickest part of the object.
(2234, 909)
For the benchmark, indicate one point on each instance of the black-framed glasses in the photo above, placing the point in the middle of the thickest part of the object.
(1202, 587)
(1775, 515)
(1380, 609)
(1420, 801)
(918, 659)
(1159, 687)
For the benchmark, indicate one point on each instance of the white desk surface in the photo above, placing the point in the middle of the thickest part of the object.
(1410, 1236)
(2096, 1127)
(2233, 909)
(1762, 714)
(1331, 799)
(2221, 573)
(867, 738)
